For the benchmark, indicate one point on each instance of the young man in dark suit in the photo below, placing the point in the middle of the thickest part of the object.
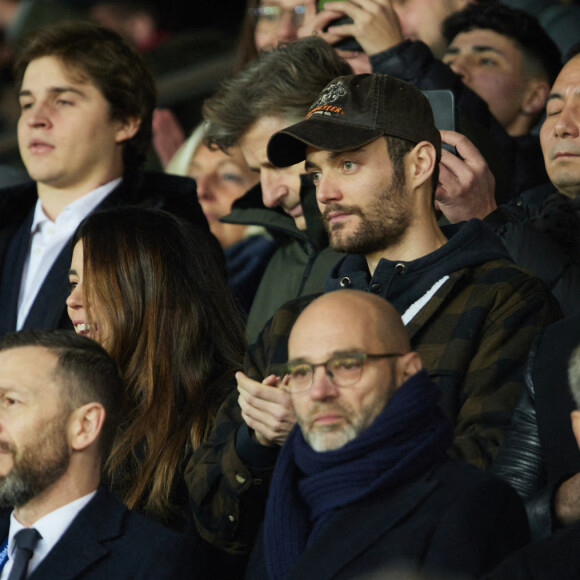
(59, 399)
(86, 100)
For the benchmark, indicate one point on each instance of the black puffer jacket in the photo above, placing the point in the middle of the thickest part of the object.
(541, 231)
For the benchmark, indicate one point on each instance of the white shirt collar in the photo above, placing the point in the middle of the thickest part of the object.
(51, 527)
(76, 210)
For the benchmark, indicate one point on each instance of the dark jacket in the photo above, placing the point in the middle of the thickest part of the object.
(540, 450)
(554, 558)
(106, 540)
(473, 336)
(302, 261)
(452, 519)
(516, 163)
(246, 261)
(541, 231)
(152, 190)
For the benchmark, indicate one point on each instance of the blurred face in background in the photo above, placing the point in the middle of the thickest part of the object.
(277, 21)
(221, 179)
(422, 20)
(492, 66)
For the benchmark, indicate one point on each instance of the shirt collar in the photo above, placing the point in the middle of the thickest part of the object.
(51, 526)
(79, 207)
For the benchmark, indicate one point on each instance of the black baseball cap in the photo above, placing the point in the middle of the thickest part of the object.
(354, 110)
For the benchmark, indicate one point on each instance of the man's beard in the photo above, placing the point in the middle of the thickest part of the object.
(331, 437)
(382, 224)
(35, 467)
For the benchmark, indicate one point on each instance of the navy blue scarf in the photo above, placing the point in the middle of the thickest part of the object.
(405, 439)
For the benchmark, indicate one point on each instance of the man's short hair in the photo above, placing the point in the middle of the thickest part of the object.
(84, 371)
(284, 81)
(102, 56)
(574, 375)
(542, 56)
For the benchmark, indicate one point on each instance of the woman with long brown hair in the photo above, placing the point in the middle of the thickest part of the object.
(152, 291)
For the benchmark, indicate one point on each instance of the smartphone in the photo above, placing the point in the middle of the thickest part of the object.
(349, 43)
(442, 103)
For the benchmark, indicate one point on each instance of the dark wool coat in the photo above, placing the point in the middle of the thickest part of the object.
(452, 520)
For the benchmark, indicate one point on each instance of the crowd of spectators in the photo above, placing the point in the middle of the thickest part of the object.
(313, 316)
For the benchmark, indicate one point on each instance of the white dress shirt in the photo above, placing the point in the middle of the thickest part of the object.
(48, 238)
(51, 527)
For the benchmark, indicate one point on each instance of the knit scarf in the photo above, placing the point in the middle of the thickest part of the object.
(404, 440)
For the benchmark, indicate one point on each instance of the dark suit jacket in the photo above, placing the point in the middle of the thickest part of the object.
(455, 519)
(176, 195)
(106, 540)
(555, 558)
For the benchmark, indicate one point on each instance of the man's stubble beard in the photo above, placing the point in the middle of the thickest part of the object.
(382, 225)
(36, 467)
(332, 437)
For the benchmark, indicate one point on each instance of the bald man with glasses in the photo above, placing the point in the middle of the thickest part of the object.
(363, 482)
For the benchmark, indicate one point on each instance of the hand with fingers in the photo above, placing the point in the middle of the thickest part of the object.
(168, 136)
(466, 184)
(375, 24)
(266, 408)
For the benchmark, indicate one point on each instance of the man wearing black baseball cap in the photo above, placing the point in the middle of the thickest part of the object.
(372, 150)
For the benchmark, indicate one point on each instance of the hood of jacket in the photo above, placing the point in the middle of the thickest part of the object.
(402, 283)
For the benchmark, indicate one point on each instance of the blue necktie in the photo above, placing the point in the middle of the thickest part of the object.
(24, 541)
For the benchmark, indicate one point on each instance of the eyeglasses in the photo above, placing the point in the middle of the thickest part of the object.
(272, 15)
(343, 370)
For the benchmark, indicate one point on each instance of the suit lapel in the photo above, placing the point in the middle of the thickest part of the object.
(49, 307)
(337, 543)
(15, 252)
(83, 544)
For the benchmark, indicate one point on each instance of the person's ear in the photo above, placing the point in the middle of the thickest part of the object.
(127, 129)
(575, 418)
(535, 97)
(420, 163)
(85, 425)
(407, 365)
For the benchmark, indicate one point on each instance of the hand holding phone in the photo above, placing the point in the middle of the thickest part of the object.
(442, 103)
(466, 184)
(369, 26)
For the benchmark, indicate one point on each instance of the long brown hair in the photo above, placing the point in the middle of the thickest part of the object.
(176, 334)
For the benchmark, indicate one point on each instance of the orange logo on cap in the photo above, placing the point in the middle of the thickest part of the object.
(326, 109)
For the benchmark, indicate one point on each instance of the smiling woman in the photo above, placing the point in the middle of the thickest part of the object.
(149, 288)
